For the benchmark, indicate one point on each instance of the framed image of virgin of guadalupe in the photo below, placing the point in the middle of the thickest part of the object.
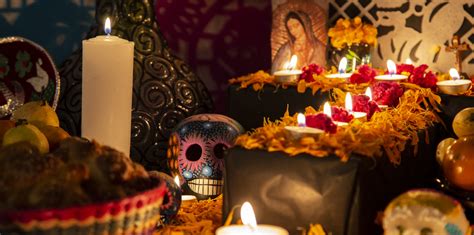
(298, 28)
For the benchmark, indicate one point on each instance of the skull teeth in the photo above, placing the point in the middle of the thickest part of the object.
(208, 187)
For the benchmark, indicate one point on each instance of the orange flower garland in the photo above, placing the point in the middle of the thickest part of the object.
(387, 132)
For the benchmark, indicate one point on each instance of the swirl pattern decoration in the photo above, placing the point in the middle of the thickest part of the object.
(165, 90)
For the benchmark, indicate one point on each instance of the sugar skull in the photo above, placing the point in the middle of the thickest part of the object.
(197, 147)
(423, 212)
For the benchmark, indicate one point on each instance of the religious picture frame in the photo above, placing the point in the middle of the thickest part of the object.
(299, 28)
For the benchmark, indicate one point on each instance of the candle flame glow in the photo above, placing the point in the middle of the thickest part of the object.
(176, 180)
(327, 109)
(368, 93)
(392, 67)
(301, 120)
(454, 74)
(342, 65)
(247, 215)
(293, 62)
(107, 26)
(348, 102)
(408, 61)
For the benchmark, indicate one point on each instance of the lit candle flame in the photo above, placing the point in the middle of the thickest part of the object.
(368, 93)
(247, 215)
(107, 26)
(342, 65)
(392, 67)
(454, 74)
(327, 109)
(408, 61)
(176, 180)
(348, 102)
(293, 62)
(301, 120)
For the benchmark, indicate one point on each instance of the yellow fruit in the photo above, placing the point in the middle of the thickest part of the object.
(37, 113)
(28, 133)
(54, 135)
(5, 125)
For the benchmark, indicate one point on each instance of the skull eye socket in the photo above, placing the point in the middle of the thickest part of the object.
(220, 150)
(194, 152)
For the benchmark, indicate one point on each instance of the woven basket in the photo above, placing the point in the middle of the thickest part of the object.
(137, 214)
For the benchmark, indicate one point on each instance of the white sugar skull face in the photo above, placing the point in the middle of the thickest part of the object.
(424, 212)
(196, 152)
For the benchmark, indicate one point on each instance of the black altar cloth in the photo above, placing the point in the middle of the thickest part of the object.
(345, 197)
(250, 107)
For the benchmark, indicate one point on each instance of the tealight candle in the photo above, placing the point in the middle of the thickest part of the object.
(349, 108)
(250, 225)
(297, 132)
(392, 73)
(368, 92)
(107, 80)
(328, 112)
(341, 71)
(456, 86)
(289, 74)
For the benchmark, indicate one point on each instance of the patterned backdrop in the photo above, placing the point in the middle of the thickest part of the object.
(220, 39)
(416, 29)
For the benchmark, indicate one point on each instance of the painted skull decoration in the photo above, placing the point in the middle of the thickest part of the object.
(196, 152)
(423, 212)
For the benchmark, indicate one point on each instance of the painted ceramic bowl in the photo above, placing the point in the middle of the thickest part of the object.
(27, 73)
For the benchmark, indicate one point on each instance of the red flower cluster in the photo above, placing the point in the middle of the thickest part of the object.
(423, 78)
(309, 71)
(418, 75)
(364, 74)
(387, 93)
(321, 121)
(340, 114)
(362, 103)
(405, 68)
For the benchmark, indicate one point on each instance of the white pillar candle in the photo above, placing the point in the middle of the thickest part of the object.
(107, 80)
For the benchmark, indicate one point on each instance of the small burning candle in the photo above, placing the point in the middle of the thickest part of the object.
(327, 109)
(368, 93)
(341, 71)
(392, 73)
(185, 199)
(250, 225)
(349, 108)
(290, 74)
(456, 86)
(297, 132)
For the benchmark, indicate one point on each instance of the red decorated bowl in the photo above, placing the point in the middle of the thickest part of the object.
(138, 214)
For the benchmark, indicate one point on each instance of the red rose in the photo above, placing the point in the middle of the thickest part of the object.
(321, 121)
(309, 71)
(362, 103)
(423, 78)
(387, 93)
(364, 74)
(340, 114)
